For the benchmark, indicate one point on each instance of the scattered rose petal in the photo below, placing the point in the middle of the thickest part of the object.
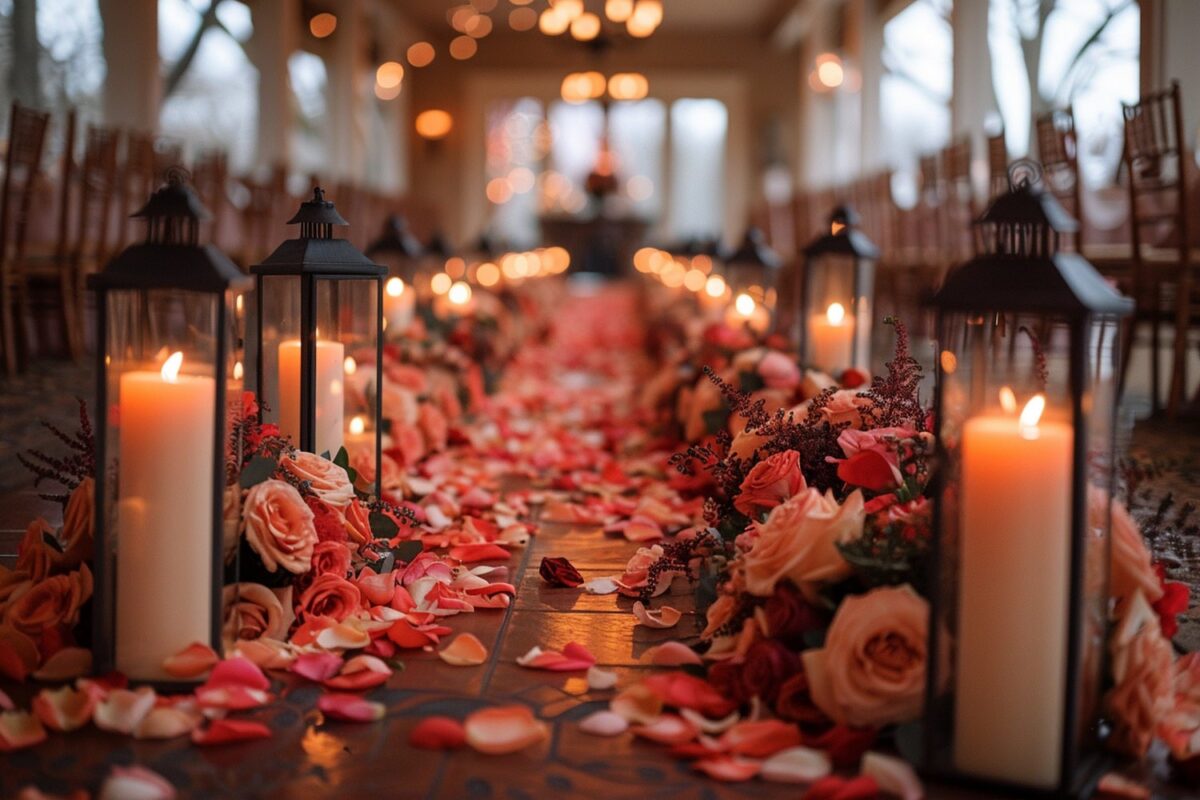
(480, 551)
(665, 617)
(796, 765)
(227, 731)
(760, 739)
(642, 529)
(1114, 784)
(600, 679)
(350, 707)
(727, 768)
(681, 690)
(671, 654)
(601, 586)
(504, 729)
(266, 653)
(232, 698)
(317, 667)
(123, 709)
(135, 782)
(604, 723)
(706, 725)
(637, 704)
(667, 729)
(19, 729)
(343, 637)
(359, 674)
(894, 776)
(465, 651)
(65, 708)
(67, 664)
(833, 787)
(238, 671)
(573, 657)
(191, 662)
(167, 722)
(558, 571)
(18, 653)
(6, 703)
(438, 733)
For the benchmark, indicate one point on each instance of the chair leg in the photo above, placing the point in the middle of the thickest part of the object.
(7, 327)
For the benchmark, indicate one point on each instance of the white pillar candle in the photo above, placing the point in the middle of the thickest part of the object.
(330, 404)
(830, 339)
(1012, 597)
(399, 302)
(164, 517)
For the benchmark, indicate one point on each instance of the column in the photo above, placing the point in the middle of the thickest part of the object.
(276, 23)
(974, 97)
(348, 80)
(133, 86)
(1180, 60)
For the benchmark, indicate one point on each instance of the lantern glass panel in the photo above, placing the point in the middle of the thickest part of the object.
(1019, 661)
(838, 311)
(279, 299)
(162, 543)
(348, 310)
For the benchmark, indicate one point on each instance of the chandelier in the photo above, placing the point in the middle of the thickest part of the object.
(636, 18)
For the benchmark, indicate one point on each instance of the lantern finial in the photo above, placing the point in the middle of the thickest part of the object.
(174, 212)
(317, 217)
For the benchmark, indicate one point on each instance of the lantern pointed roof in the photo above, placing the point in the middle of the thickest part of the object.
(316, 250)
(842, 236)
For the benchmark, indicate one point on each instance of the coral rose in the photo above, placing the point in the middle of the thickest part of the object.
(799, 542)
(844, 408)
(358, 523)
(769, 483)
(746, 443)
(252, 611)
(35, 557)
(331, 558)
(279, 526)
(326, 479)
(329, 596)
(79, 521)
(871, 671)
(51, 602)
(1131, 569)
(1143, 678)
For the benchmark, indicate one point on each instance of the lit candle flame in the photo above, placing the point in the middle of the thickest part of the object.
(394, 287)
(715, 286)
(357, 425)
(459, 294)
(835, 313)
(350, 366)
(1032, 413)
(836, 228)
(170, 368)
(1008, 400)
(237, 370)
(744, 304)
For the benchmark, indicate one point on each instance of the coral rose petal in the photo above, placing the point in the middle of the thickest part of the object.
(438, 733)
(796, 765)
(192, 661)
(600, 679)
(350, 708)
(706, 725)
(729, 769)
(317, 667)
(167, 722)
(894, 776)
(760, 739)
(343, 637)
(227, 731)
(135, 783)
(403, 634)
(19, 729)
(681, 690)
(465, 651)
(642, 530)
(637, 704)
(266, 653)
(67, 664)
(65, 708)
(667, 729)
(672, 654)
(359, 673)
(472, 553)
(123, 709)
(665, 617)
(238, 671)
(604, 723)
(504, 729)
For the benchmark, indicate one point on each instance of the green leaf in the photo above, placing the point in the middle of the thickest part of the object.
(382, 526)
(342, 459)
(258, 470)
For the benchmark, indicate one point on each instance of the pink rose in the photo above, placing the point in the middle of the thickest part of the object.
(325, 479)
(252, 611)
(769, 483)
(1143, 679)
(330, 558)
(51, 603)
(799, 542)
(1131, 569)
(871, 671)
(329, 596)
(279, 526)
(778, 371)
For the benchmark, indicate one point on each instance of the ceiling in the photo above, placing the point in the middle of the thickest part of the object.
(679, 16)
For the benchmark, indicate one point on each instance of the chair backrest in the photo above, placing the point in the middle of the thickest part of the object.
(1058, 150)
(208, 178)
(168, 153)
(98, 186)
(1157, 171)
(958, 201)
(137, 181)
(66, 179)
(997, 156)
(22, 165)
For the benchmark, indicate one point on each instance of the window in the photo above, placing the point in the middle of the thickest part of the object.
(310, 134)
(516, 145)
(698, 129)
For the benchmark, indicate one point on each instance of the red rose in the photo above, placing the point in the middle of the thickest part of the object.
(1174, 601)
(328, 522)
(769, 483)
(329, 596)
(330, 558)
(843, 744)
(789, 616)
(868, 469)
(767, 665)
(560, 572)
(795, 704)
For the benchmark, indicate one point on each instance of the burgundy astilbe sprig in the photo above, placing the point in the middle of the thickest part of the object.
(68, 470)
(678, 556)
(894, 398)
(1040, 371)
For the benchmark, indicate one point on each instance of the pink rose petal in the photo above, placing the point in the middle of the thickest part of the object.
(350, 707)
(796, 765)
(360, 673)
(483, 551)
(266, 653)
(232, 698)
(894, 776)
(671, 654)
(317, 667)
(65, 708)
(20, 729)
(135, 783)
(67, 664)
(123, 709)
(604, 723)
(464, 651)
(665, 617)
(667, 729)
(191, 662)
(167, 722)
(728, 768)
(226, 731)
(600, 679)
(238, 671)
(504, 729)
(601, 586)
(573, 657)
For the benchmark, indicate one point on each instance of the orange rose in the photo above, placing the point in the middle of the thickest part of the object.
(1131, 569)
(327, 480)
(252, 611)
(51, 602)
(1143, 678)
(330, 558)
(34, 556)
(871, 671)
(279, 526)
(745, 443)
(358, 523)
(798, 541)
(79, 521)
(769, 483)
(844, 408)
(329, 596)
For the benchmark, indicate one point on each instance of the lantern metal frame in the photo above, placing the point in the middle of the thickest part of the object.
(397, 239)
(753, 253)
(316, 257)
(842, 238)
(1021, 271)
(170, 258)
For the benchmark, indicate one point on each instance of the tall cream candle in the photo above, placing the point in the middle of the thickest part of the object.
(1012, 595)
(330, 380)
(164, 517)
(399, 305)
(831, 338)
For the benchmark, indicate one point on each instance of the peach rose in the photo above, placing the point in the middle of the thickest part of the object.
(871, 671)
(34, 556)
(51, 602)
(252, 611)
(745, 443)
(769, 483)
(279, 526)
(362, 460)
(79, 521)
(1143, 679)
(327, 480)
(778, 371)
(330, 558)
(329, 596)
(1131, 569)
(844, 408)
(798, 541)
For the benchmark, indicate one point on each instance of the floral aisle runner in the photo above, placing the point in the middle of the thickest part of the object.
(549, 605)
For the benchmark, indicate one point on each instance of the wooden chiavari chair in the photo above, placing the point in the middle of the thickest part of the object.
(208, 179)
(261, 221)
(958, 210)
(1163, 287)
(997, 156)
(1058, 149)
(22, 165)
(137, 181)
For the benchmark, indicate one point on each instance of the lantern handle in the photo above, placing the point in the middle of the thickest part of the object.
(1024, 173)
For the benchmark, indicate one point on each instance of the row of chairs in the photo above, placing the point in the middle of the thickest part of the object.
(60, 223)
(1152, 257)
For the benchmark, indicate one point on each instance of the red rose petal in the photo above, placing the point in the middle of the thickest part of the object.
(471, 553)
(438, 733)
(350, 707)
(760, 739)
(226, 731)
(687, 691)
(835, 788)
(403, 634)
(559, 572)
(238, 671)
(360, 673)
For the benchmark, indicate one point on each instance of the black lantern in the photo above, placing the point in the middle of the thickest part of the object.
(320, 338)
(752, 274)
(835, 296)
(167, 367)
(398, 250)
(1025, 410)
